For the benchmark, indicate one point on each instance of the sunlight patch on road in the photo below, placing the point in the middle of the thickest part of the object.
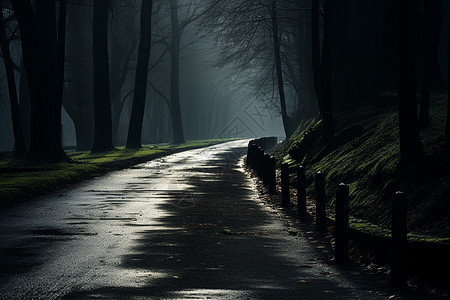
(212, 294)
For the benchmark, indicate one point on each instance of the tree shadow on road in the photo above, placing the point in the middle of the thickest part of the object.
(215, 240)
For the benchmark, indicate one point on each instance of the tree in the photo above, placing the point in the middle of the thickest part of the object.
(315, 44)
(276, 44)
(424, 113)
(20, 147)
(321, 65)
(38, 32)
(78, 101)
(61, 48)
(177, 123)
(410, 146)
(140, 87)
(24, 105)
(306, 104)
(177, 21)
(102, 106)
(447, 125)
(123, 46)
(245, 30)
(431, 28)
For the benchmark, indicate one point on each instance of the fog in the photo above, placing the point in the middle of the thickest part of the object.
(217, 69)
(216, 101)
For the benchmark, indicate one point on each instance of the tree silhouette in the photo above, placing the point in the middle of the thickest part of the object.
(140, 86)
(410, 146)
(102, 105)
(20, 147)
(39, 39)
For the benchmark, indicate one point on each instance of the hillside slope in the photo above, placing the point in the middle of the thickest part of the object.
(365, 155)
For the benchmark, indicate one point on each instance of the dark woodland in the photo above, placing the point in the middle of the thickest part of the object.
(325, 109)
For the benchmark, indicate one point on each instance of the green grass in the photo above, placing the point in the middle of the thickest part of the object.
(375, 230)
(20, 180)
(369, 164)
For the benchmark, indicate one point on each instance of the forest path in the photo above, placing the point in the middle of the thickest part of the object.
(187, 226)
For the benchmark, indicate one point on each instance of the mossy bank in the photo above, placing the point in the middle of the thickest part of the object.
(365, 155)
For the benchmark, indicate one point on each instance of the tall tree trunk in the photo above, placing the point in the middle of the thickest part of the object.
(25, 105)
(83, 133)
(49, 111)
(321, 65)
(325, 73)
(28, 31)
(410, 147)
(447, 124)
(424, 114)
(432, 22)
(177, 123)
(20, 147)
(39, 49)
(78, 94)
(81, 113)
(301, 103)
(437, 81)
(140, 85)
(315, 43)
(102, 106)
(61, 44)
(119, 70)
(276, 45)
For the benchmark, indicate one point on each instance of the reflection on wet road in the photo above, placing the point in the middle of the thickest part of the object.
(187, 226)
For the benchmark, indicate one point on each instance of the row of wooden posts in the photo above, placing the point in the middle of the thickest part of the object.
(264, 166)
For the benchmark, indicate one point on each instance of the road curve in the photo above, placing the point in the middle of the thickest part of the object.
(186, 226)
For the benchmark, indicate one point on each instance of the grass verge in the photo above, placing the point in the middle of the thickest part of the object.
(21, 180)
(365, 155)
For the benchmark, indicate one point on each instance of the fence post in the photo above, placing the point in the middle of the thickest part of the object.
(399, 241)
(321, 218)
(250, 153)
(341, 224)
(266, 163)
(259, 161)
(301, 192)
(256, 159)
(272, 175)
(253, 160)
(285, 197)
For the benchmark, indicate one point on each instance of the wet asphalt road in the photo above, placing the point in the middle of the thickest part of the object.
(187, 226)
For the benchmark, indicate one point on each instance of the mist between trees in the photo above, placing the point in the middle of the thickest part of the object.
(135, 72)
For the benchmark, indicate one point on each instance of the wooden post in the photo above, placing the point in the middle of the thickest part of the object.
(250, 154)
(301, 192)
(253, 160)
(285, 197)
(266, 170)
(341, 224)
(321, 218)
(260, 162)
(399, 241)
(254, 156)
(272, 175)
(257, 160)
(264, 143)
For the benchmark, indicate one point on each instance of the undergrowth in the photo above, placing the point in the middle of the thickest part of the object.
(365, 155)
